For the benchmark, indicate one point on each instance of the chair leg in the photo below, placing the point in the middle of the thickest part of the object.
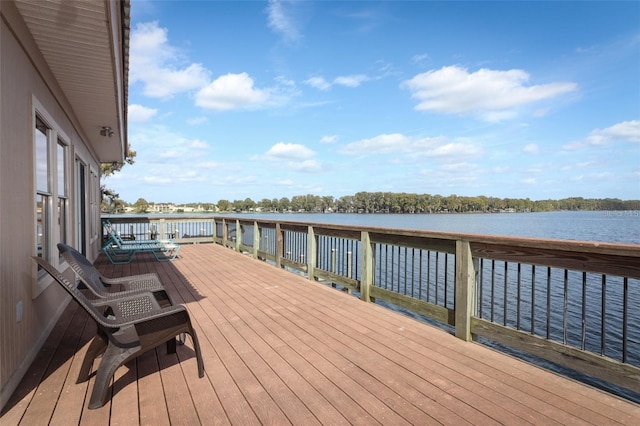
(113, 358)
(196, 348)
(171, 346)
(97, 346)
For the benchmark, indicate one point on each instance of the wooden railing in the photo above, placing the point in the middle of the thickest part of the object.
(576, 304)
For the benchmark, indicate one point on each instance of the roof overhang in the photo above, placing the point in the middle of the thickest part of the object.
(85, 44)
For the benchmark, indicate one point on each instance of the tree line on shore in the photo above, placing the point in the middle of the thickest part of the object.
(390, 202)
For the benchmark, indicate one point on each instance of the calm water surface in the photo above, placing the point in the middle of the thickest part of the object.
(619, 226)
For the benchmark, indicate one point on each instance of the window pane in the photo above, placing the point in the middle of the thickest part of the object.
(62, 169)
(62, 219)
(41, 226)
(42, 156)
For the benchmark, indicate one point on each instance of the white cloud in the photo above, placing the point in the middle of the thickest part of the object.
(198, 144)
(321, 83)
(292, 157)
(454, 150)
(625, 131)
(289, 152)
(318, 83)
(492, 94)
(396, 143)
(159, 66)
(382, 144)
(628, 131)
(329, 139)
(231, 91)
(350, 80)
(305, 166)
(197, 120)
(140, 114)
(420, 59)
(281, 20)
(531, 148)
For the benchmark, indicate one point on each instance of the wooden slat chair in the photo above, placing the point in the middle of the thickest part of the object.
(130, 326)
(99, 284)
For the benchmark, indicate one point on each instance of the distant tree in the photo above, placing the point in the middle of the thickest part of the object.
(111, 202)
(224, 205)
(141, 206)
(284, 204)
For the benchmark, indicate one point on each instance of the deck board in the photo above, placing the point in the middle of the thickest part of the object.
(279, 349)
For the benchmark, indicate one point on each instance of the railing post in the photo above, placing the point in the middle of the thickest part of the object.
(366, 273)
(256, 239)
(312, 250)
(238, 235)
(465, 289)
(161, 234)
(225, 233)
(279, 245)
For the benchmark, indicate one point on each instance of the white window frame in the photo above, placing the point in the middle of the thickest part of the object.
(55, 135)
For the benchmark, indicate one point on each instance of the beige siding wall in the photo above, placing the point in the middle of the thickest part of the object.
(20, 84)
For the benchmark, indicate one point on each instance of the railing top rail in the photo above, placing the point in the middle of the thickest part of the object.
(619, 249)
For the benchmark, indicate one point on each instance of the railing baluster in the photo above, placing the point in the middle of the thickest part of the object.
(420, 274)
(565, 309)
(505, 301)
(603, 317)
(548, 302)
(625, 317)
(481, 289)
(493, 288)
(519, 292)
(437, 284)
(533, 299)
(583, 329)
(428, 275)
(446, 277)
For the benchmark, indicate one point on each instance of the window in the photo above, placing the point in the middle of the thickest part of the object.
(62, 190)
(51, 179)
(43, 189)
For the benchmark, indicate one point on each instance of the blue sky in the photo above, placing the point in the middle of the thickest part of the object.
(229, 100)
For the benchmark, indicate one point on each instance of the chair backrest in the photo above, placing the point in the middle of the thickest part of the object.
(80, 298)
(84, 268)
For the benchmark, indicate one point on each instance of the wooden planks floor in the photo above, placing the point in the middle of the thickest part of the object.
(279, 349)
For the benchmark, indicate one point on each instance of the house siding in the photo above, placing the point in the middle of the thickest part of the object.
(23, 79)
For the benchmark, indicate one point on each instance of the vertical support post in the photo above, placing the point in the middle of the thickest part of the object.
(225, 233)
(333, 264)
(366, 272)
(256, 239)
(279, 245)
(465, 289)
(312, 250)
(161, 234)
(238, 236)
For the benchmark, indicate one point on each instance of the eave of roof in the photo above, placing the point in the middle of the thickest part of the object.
(85, 45)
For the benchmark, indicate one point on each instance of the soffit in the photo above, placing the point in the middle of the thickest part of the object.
(76, 41)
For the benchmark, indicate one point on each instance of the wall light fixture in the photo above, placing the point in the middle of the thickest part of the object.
(106, 131)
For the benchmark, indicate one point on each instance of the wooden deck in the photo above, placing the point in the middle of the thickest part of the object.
(279, 349)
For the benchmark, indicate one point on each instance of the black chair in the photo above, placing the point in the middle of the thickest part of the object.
(130, 325)
(99, 284)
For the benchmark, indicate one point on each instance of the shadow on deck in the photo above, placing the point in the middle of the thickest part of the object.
(279, 349)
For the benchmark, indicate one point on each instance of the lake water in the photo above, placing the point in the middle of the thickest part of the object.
(616, 226)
